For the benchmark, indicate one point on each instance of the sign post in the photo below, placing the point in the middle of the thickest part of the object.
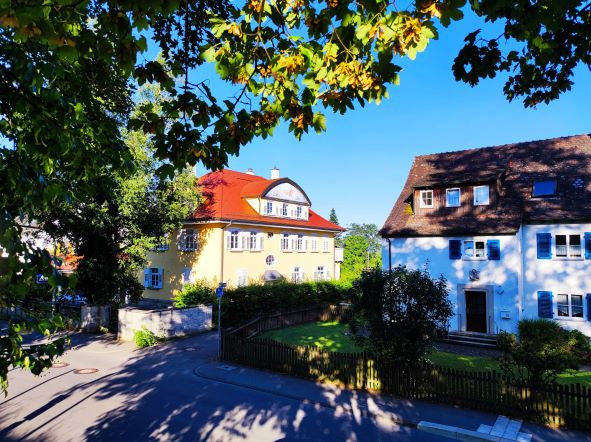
(219, 293)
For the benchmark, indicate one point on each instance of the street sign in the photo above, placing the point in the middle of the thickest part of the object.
(222, 285)
(219, 292)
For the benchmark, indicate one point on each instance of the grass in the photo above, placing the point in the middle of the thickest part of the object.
(332, 336)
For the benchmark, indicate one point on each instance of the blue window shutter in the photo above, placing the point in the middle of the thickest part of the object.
(588, 245)
(455, 249)
(494, 249)
(589, 306)
(544, 246)
(545, 305)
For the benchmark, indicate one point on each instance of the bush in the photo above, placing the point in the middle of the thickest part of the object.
(196, 293)
(541, 350)
(144, 338)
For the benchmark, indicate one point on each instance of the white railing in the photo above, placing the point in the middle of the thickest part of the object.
(560, 250)
(574, 250)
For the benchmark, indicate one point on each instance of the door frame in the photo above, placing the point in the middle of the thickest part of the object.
(461, 312)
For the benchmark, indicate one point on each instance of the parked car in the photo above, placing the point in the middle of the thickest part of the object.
(71, 300)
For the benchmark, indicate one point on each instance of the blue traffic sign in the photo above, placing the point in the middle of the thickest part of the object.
(219, 292)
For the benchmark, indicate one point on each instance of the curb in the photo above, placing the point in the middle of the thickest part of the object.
(364, 412)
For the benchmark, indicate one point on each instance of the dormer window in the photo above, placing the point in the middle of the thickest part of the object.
(299, 212)
(544, 188)
(426, 199)
(481, 195)
(452, 197)
(284, 210)
(269, 208)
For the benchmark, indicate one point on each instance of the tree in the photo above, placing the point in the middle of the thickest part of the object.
(541, 350)
(403, 310)
(68, 70)
(362, 250)
(338, 239)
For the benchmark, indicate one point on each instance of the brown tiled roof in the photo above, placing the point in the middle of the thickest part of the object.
(510, 169)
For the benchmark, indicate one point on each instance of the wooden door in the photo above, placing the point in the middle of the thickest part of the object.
(476, 311)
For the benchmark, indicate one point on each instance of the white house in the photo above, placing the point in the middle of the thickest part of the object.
(508, 226)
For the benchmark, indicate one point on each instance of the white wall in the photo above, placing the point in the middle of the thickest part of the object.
(501, 276)
(557, 275)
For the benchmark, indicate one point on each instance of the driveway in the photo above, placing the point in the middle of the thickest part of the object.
(178, 392)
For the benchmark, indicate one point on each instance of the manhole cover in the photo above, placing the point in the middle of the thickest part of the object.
(59, 364)
(226, 367)
(86, 370)
(191, 348)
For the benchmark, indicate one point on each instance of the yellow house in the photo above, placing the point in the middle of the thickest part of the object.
(249, 229)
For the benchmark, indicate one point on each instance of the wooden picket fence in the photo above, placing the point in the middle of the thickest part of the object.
(566, 406)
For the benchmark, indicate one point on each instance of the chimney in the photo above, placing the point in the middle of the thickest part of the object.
(249, 171)
(274, 173)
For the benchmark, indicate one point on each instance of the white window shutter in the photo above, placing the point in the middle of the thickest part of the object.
(160, 271)
(327, 274)
(261, 236)
(181, 239)
(147, 278)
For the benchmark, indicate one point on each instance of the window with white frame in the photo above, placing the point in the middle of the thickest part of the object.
(269, 207)
(298, 211)
(285, 242)
(452, 197)
(325, 245)
(233, 243)
(569, 306)
(284, 210)
(187, 273)
(188, 240)
(270, 260)
(320, 273)
(482, 195)
(426, 199)
(474, 249)
(297, 275)
(300, 243)
(568, 246)
(314, 244)
(162, 243)
(242, 278)
(253, 243)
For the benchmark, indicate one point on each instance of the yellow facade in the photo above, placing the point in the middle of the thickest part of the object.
(214, 261)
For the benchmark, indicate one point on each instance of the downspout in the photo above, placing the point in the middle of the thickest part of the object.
(223, 250)
(389, 255)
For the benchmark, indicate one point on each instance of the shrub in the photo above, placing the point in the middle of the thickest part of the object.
(196, 293)
(541, 350)
(144, 338)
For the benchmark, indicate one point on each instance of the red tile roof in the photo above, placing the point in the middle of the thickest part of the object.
(510, 170)
(225, 194)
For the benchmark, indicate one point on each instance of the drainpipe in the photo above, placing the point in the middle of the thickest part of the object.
(389, 255)
(223, 250)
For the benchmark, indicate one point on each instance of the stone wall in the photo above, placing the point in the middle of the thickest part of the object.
(166, 323)
(93, 317)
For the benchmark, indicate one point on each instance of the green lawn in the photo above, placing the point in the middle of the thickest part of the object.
(331, 336)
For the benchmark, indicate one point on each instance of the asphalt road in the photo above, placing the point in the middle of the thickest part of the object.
(155, 394)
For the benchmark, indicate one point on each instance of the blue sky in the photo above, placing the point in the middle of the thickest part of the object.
(360, 164)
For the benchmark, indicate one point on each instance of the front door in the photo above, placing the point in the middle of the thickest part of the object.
(476, 311)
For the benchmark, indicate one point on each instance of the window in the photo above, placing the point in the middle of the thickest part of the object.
(162, 243)
(568, 246)
(188, 240)
(233, 240)
(314, 244)
(570, 306)
(284, 210)
(298, 212)
(153, 278)
(426, 199)
(474, 250)
(270, 260)
(252, 241)
(269, 207)
(242, 278)
(270, 235)
(297, 275)
(452, 197)
(320, 273)
(325, 245)
(481, 195)
(300, 243)
(543, 188)
(285, 242)
(186, 275)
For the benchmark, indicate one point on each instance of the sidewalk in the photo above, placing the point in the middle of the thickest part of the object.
(401, 411)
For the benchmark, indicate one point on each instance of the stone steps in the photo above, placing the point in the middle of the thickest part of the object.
(471, 339)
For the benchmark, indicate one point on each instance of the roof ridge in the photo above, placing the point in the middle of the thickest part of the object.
(506, 145)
